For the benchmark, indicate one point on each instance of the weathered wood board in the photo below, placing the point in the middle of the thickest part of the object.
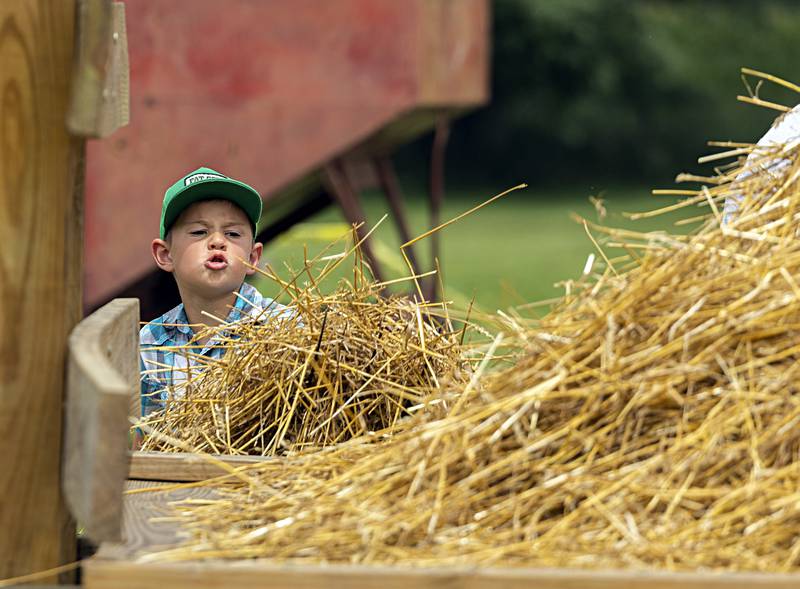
(102, 376)
(163, 466)
(139, 508)
(100, 85)
(110, 574)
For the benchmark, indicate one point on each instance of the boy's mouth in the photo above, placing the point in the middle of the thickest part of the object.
(216, 262)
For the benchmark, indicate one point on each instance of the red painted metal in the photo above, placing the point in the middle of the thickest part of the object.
(267, 91)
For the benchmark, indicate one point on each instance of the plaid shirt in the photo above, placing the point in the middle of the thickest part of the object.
(163, 368)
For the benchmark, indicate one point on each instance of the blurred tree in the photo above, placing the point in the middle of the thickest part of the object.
(620, 90)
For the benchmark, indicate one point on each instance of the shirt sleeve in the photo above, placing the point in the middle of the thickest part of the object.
(765, 159)
(150, 391)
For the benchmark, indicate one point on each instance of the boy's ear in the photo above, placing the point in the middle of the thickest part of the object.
(255, 257)
(162, 255)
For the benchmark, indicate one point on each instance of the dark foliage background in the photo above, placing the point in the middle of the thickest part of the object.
(619, 90)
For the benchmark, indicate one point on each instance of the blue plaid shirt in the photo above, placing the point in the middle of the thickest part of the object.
(163, 359)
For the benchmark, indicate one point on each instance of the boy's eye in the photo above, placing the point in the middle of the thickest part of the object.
(197, 232)
(233, 234)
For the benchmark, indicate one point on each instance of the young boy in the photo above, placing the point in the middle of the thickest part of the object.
(208, 224)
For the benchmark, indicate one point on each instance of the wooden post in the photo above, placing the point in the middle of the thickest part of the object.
(102, 391)
(40, 277)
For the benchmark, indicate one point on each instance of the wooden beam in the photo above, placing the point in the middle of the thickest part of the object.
(40, 276)
(102, 386)
(104, 573)
(100, 86)
(166, 466)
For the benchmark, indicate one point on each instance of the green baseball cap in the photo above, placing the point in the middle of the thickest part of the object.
(205, 184)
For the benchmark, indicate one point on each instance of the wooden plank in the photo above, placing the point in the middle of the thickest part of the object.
(454, 52)
(139, 532)
(163, 466)
(108, 574)
(100, 88)
(40, 271)
(102, 377)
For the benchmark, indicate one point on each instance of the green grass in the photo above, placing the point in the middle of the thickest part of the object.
(513, 251)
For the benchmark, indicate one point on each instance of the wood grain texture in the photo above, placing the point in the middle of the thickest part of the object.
(453, 55)
(108, 574)
(163, 466)
(40, 278)
(139, 532)
(100, 91)
(102, 377)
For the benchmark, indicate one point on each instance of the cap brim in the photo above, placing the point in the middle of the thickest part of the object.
(237, 192)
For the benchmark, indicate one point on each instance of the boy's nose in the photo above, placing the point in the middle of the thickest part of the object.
(216, 241)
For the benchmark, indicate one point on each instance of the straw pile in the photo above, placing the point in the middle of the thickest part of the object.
(339, 365)
(654, 421)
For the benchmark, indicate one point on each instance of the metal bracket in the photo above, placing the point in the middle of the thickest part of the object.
(100, 101)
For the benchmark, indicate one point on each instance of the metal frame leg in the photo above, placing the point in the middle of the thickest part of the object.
(348, 200)
(440, 138)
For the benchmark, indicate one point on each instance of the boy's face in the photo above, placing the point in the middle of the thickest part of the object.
(205, 249)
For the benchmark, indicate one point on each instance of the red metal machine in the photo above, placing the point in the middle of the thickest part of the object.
(292, 97)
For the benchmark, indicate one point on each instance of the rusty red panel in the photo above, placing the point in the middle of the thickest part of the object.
(262, 90)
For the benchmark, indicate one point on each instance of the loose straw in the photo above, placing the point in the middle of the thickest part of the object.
(650, 420)
(39, 575)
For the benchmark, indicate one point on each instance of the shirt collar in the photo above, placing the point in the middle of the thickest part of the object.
(249, 302)
(175, 320)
